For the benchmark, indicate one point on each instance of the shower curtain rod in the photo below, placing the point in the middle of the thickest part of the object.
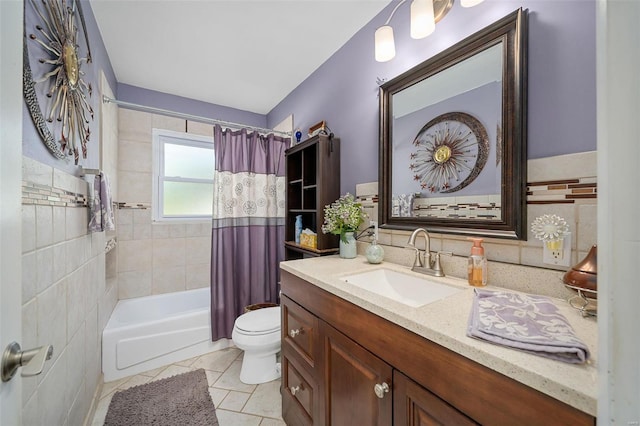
(138, 107)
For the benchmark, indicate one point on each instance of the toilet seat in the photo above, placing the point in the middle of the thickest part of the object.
(259, 322)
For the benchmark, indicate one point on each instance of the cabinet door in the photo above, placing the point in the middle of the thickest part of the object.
(351, 374)
(414, 405)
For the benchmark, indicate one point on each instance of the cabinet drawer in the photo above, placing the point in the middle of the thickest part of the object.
(297, 394)
(299, 331)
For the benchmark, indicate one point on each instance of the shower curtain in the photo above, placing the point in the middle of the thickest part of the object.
(247, 238)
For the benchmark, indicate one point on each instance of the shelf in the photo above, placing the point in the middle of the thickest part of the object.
(293, 245)
(313, 181)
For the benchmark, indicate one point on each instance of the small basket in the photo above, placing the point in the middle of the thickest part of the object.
(308, 240)
(257, 306)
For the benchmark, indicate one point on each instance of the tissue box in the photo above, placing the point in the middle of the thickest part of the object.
(309, 240)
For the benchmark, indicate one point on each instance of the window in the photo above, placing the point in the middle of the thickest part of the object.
(183, 170)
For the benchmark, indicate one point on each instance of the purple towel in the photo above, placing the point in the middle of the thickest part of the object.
(101, 211)
(525, 322)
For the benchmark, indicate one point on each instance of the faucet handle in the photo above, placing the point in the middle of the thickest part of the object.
(417, 260)
(437, 267)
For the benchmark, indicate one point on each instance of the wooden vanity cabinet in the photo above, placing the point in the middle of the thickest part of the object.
(350, 374)
(346, 351)
(301, 397)
(416, 406)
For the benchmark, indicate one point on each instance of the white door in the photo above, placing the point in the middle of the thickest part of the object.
(10, 198)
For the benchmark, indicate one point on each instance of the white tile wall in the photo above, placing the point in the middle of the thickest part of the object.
(134, 156)
(134, 126)
(155, 257)
(64, 294)
(135, 187)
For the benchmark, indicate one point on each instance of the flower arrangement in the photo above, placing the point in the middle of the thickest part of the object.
(342, 216)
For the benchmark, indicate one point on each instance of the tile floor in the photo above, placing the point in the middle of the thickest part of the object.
(236, 403)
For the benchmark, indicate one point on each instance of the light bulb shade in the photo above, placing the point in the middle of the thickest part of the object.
(385, 46)
(423, 21)
(470, 3)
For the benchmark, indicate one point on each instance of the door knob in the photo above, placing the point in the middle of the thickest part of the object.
(381, 389)
(32, 360)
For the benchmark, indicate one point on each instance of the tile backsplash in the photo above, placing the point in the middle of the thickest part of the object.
(564, 185)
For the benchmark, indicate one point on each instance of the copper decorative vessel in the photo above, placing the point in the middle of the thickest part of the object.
(583, 278)
(584, 275)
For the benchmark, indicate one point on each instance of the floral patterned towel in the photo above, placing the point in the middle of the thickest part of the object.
(526, 322)
(102, 218)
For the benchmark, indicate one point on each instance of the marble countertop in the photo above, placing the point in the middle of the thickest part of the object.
(445, 321)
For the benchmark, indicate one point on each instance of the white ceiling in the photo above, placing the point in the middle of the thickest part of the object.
(242, 54)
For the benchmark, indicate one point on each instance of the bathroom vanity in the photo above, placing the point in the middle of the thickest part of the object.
(352, 357)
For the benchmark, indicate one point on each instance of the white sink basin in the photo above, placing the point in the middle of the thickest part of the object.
(404, 288)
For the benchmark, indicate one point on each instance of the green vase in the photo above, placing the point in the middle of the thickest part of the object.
(348, 250)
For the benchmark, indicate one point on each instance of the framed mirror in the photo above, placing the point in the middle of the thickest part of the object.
(453, 133)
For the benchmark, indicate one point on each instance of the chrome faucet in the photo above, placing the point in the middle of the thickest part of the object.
(419, 261)
(423, 263)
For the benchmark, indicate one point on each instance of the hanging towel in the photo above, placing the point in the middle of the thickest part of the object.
(525, 322)
(101, 211)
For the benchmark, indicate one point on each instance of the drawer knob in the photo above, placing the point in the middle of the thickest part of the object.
(294, 390)
(381, 389)
(294, 333)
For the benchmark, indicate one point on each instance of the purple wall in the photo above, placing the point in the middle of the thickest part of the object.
(562, 80)
(32, 145)
(151, 98)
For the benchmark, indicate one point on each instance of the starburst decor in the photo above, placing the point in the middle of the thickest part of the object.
(68, 111)
(451, 151)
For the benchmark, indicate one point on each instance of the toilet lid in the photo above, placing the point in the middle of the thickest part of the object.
(260, 321)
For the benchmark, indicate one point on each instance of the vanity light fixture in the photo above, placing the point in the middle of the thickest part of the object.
(424, 15)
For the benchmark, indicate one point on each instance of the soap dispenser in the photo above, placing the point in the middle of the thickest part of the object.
(375, 252)
(477, 270)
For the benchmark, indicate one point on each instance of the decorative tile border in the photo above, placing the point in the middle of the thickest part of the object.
(35, 193)
(367, 200)
(567, 191)
(489, 211)
(140, 206)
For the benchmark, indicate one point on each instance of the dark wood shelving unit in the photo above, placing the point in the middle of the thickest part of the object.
(313, 181)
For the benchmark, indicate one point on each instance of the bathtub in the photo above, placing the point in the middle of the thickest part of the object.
(149, 332)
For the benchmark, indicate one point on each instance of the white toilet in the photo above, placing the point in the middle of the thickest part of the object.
(257, 333)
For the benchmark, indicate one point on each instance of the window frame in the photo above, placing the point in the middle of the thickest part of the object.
(159, 138)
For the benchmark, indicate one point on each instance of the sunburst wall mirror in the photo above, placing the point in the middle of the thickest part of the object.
(57, 94)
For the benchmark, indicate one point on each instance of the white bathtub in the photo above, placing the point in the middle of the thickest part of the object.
(148, 332)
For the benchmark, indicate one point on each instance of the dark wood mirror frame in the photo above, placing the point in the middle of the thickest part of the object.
(512, 31)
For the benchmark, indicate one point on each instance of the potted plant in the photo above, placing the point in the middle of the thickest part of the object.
(343, 217)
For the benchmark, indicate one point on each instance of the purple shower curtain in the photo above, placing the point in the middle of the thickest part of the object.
(247, 238)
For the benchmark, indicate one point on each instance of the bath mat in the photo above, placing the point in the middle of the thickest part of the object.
(179, 400)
